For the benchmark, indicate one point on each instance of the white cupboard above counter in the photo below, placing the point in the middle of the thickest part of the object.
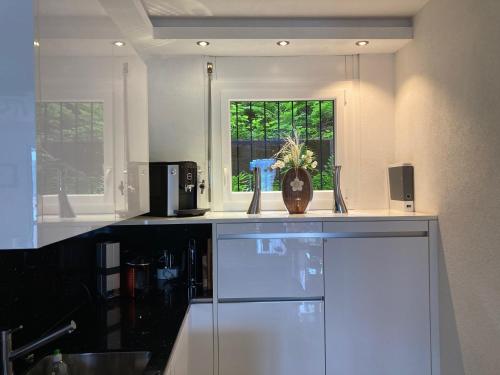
(74, 149)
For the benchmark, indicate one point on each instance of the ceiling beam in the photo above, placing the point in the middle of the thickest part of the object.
(132, 20)
(281, 28)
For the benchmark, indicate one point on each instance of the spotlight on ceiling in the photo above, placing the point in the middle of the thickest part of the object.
(283, 43)
(362, 43)
(203, 43)
(118, 43)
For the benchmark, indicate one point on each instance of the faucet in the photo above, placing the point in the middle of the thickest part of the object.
(9, 355)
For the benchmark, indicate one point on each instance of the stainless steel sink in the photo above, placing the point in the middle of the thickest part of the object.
(119, 363)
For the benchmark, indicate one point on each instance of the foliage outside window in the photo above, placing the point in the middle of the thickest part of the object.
(72, 142)
(259, 129)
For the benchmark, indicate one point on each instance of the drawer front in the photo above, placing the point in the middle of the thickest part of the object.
(389, 227)
(270, 268)
(267, 228)
(271, 338)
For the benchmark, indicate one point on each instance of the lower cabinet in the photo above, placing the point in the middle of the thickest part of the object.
(355, 302)
(271, 338)
(377, 306)
(193, 350)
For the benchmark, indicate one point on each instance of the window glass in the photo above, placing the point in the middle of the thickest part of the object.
(259, 128)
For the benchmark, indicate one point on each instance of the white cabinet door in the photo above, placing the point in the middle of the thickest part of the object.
(377, 306)
(193, 350)
(271, 338)
(73, 113)
(270, 268)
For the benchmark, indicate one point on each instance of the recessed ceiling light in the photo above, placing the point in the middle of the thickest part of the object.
(203, 43)
(362, 43)
(283, 43)
(118, 43)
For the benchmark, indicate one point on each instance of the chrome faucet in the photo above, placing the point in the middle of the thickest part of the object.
(9, 355)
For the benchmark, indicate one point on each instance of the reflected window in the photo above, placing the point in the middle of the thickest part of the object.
(271, 247)
(71, 141)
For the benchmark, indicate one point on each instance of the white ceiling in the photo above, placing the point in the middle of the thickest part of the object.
(78, 28)
(84, 48)
(83, 8)
(284, 8)
(85, 20)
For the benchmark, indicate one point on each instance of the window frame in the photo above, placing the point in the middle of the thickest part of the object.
(225, 198)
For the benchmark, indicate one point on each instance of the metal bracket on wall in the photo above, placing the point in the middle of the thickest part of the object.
(210, 70)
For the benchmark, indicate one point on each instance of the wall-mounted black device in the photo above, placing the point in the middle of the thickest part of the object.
(401, 187)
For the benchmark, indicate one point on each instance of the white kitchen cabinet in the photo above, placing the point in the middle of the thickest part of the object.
(270, 268)
(193, 349)
(73, 117)
(271, 338)
(263, 230)
(377, 316)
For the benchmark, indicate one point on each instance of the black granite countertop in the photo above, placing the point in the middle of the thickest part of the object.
(45, 289)
(124, 324)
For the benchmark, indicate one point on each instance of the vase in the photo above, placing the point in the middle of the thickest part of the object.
(297, 190)
(254, 207)
(339, 206)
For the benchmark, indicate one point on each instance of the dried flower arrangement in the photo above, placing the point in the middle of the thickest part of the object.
(294, 154)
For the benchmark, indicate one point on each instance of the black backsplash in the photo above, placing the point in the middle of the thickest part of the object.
(45, 288)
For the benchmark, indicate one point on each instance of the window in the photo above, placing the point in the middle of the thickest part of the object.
(73, 132)
(258, 129)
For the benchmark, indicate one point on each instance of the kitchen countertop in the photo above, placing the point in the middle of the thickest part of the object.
(123, 324)
(274, 216)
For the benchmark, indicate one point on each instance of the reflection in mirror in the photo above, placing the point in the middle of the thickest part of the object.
(71, 133)
(92, 131)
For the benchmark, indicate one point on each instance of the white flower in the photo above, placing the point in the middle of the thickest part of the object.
(309, 153)
(278, 164)
(314, 164)
(296, 184)
(286, 159)
(303, 156)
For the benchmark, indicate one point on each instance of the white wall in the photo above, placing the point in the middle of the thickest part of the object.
(177, 92)
(177, 111)
(447, 123)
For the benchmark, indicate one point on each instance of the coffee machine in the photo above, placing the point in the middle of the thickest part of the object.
(173, 189)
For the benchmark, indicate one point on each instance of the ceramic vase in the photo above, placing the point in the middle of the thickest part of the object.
(297, 190)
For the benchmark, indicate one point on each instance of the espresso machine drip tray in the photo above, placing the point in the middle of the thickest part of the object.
(191, 212)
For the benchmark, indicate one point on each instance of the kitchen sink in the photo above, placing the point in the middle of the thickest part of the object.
(119, 363)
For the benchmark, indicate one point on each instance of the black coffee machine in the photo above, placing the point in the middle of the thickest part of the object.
(173, 189)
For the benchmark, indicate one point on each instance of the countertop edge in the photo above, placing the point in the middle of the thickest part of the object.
(269, 217)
